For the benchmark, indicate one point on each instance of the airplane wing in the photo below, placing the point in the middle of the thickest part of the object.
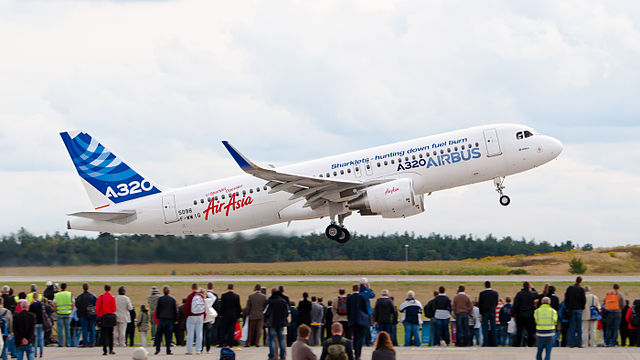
(104, 216)
(315, 190)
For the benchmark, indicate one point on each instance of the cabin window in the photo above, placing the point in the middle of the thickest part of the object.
(264, 188)
(257, 189)
(435, 153)
(527, 133)
(477, 144)
(420, 155)
(348, 171)
(328, 175)
(208, 199)
(195, 202)
(368, 166)
(244, 192)
(441, 151)
(520, 135)
(406, 158)
(335, 173)
(201, 201)
(392, 162)
(386, 163)
(448, 150)
(378, 164)
(250, 191)
(462, 147)
(455, 148)
(321, 175)
(341, 172)
(223, 196)
(215, 197)
(413, 157)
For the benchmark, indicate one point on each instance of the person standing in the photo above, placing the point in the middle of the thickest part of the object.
(589, 325)
(210, 315)
(292, 333)
(86, 310)
(523, 308)
(231, 312)
(624, 324)
(505, 317)
(181, 327)
(215, 330)
(143, 325)
(411, 317)
(317, 322)
(383, 313)
(38, 310)
(63, 305)
(276, 312)
(6, 317)
(498, 324)
(152, 301)
(357, 317)
(24, 325)
(300, 350)
(462, 308)
(430, 313)
(340, 346)
(167, 315)
(633, 318)
(546, 319)
(575, 301)
(123, 317)
(613, 304)
(328, 319)
(368, 294)
(106, 312)
(487, 303)
(442, 306)
(340, 310)
(255, 312)
(194, 309)
(131, 327)
(304, 310)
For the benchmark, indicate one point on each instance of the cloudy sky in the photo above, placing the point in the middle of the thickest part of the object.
(161, 83)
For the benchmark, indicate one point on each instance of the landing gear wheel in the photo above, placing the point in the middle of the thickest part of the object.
(344, 236)
(504, 200)
(333, 232)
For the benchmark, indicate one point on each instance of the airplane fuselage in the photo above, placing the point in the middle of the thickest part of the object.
(433, 163)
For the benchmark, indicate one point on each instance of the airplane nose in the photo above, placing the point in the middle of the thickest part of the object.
(555, 147)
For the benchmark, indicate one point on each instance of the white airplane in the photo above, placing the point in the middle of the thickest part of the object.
(389, 180)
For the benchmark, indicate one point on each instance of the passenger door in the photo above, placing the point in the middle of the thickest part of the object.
(492, 142)
(169, 209)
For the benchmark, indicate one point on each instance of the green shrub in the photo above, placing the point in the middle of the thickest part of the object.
(517, 272)
(576, 266)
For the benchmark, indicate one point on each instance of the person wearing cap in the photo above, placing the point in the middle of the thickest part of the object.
(140, 354)
(152, 300)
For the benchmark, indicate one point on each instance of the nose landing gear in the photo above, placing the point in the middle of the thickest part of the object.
(504, 199)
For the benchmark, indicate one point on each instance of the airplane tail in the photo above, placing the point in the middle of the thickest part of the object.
(107, 179)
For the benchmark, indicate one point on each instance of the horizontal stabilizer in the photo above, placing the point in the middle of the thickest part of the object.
(104, 216)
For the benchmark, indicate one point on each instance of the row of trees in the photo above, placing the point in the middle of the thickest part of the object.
(23, 248)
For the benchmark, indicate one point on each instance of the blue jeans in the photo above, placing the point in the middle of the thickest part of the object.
(442, 331)
(88, 330)
(282, 349)
(476, 334)
(411, 331)
(39, 338)
(26, 349)
(463, 333)
(544, 343)
(505, 337)
(165, 327)
(489, 320)
(613, 325)
(64, 324)
(575, 328)
(5, 348)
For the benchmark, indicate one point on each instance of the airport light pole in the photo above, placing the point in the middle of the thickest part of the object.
(116, 255)
(406, 257)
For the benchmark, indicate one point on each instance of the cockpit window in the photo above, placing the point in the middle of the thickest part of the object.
(523, 134)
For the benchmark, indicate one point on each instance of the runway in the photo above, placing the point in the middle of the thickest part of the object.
(314, 278)
(413, 353)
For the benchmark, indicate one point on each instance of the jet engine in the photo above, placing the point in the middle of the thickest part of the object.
(394, 199)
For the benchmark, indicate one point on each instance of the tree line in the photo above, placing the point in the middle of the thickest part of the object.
(25, 249)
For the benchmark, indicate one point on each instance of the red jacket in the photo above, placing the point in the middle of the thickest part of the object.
(187, 304)
(628, 318)
(106, 304)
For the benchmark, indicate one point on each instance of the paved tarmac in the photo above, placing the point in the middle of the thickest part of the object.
(450, 353)
(314, 278)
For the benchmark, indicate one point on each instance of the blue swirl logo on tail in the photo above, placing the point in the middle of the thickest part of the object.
(104, 170)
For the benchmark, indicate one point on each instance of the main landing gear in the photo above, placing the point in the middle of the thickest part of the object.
(504, 199)
(338, 232)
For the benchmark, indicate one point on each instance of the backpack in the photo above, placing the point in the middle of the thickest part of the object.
(611, 301)
(635, 319)
(429, 310)
(197, 304)
(341, 307)
(3, 324)
(337, 351)
(227, 354)
(91, 310)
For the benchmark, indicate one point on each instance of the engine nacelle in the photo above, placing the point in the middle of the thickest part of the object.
(394, 199)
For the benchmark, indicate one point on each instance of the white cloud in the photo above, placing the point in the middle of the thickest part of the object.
(161, 83)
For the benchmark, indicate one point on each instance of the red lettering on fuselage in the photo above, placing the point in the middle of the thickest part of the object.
(391, 191)
(226, 207)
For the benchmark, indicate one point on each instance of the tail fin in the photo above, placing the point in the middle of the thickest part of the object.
(107, 179)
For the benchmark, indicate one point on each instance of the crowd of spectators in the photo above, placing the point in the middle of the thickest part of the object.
(203, 319)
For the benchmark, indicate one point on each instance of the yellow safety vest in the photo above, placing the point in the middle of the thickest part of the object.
(64, 302)
(30, 297)
(546, 317)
